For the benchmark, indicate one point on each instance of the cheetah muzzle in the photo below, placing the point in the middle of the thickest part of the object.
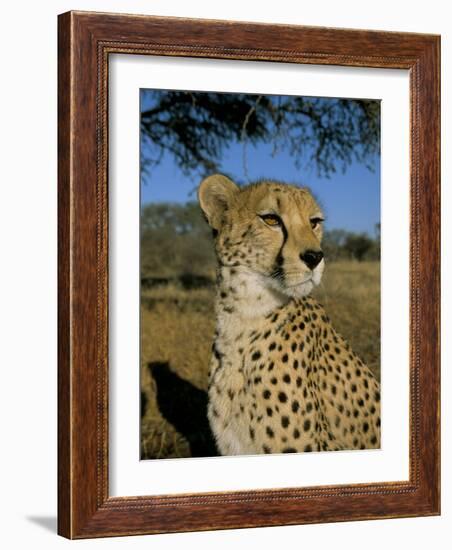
(281, 378)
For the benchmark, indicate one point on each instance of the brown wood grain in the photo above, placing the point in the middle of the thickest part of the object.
(85, 42)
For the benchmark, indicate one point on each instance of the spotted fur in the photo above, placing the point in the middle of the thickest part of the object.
(282, 380)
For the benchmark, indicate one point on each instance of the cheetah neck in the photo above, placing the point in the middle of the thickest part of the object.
(243, 297)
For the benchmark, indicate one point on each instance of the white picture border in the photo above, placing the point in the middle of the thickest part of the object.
(128, 474)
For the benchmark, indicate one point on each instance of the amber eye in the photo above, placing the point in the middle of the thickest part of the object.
(315, 222)
(271, 219)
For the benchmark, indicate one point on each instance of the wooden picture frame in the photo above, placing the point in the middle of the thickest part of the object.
(85, 42)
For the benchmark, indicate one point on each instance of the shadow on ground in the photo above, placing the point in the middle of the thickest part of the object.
(49, 523)
(185, 407)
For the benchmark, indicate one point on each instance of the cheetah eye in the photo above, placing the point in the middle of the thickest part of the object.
(315, 222)
(271, 219)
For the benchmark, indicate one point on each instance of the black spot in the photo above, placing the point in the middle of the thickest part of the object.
(298, 381)
(307, 425)
(282, 397)
(293, 346)
(377, 396)
(289, 450)
(285, 421)
(286, 379)
(274, 380)
(361, 402)
(296, 433)
(256, 355)
(266, 449)
(356, 413)
(269, 411)
(308, 449)
(295, 364)
(252, 434)
(365, 427)
(354, 388)
(301, 326)
(308, 407)
(285, 358)
(269, 432)
(373, 440)
(266, 394)
(333, 389)
(267, 334)
(272, 346)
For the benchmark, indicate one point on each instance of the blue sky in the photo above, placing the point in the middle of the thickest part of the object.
(350, 200)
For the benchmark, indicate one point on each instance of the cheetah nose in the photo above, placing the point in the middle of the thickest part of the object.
(311, 258)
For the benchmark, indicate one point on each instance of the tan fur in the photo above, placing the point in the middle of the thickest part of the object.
(281, 378)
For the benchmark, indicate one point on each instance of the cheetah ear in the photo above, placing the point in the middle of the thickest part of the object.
(215, 195)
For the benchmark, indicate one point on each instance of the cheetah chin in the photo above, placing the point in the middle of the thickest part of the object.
(299, 289)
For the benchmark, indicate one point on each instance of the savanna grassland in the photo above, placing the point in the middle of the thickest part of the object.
(177, 326)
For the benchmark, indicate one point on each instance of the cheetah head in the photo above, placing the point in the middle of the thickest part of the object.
(272, 230)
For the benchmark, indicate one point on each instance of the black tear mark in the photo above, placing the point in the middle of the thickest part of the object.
(278, 270)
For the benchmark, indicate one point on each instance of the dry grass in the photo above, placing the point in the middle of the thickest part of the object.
(177, 330)
(350, 294)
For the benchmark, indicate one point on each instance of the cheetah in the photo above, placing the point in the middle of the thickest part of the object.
(281, 379)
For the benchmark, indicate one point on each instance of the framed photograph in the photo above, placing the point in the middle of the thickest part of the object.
(248, 275)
